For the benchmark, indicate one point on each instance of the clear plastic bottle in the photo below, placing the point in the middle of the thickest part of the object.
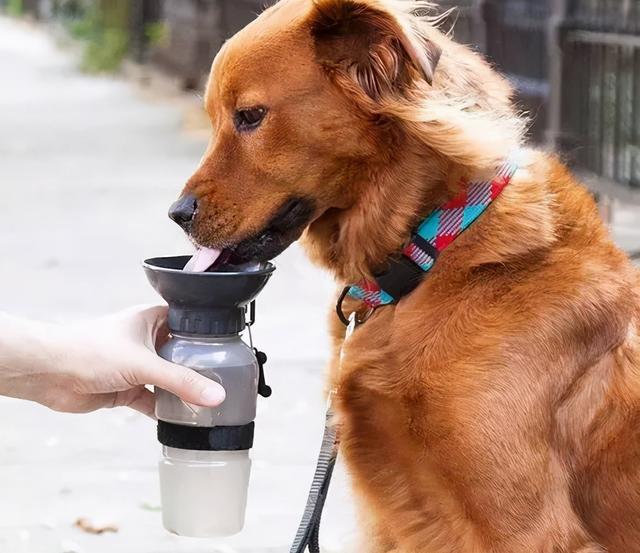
(205, 465)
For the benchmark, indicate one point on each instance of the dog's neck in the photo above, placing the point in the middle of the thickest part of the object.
(394, 197)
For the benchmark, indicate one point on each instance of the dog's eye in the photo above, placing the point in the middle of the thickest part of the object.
(248, 119)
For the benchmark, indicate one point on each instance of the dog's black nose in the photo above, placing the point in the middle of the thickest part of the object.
(183, 210)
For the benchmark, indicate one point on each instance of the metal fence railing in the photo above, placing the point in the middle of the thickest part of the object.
(622, 16)
(462, 21)
(600, 129)
(516, 40)
(575, 65)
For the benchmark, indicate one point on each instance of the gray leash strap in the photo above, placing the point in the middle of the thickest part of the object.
(308, 532)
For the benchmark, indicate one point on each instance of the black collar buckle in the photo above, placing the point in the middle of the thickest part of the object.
(401, 277)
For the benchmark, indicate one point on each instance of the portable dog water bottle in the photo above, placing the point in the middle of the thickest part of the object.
(204, 472)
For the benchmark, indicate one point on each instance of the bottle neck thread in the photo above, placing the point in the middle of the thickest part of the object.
(227, 321)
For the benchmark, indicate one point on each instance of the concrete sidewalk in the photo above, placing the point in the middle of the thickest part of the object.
(88, 168)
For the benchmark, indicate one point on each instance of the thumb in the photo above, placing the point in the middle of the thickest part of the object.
(185, 383)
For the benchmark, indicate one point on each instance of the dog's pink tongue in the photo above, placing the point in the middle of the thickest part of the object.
(202, 260)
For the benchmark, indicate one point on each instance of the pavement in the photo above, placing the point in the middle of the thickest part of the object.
(88, 167)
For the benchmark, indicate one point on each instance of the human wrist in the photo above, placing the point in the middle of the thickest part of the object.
(30, 353)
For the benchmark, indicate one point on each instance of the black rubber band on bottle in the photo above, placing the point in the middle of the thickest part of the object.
(205, 438)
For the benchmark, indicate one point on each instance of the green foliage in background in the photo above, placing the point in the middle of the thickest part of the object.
(103, 28)
(14, 7)
(105, 52)
(157, 34)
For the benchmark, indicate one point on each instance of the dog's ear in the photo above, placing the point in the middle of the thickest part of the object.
(374, 46)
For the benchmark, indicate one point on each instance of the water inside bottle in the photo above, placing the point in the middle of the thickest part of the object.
(204, 493)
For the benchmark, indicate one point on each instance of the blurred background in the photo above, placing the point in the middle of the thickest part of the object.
(101, 124)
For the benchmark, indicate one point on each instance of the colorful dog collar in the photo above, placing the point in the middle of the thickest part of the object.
(407, 269)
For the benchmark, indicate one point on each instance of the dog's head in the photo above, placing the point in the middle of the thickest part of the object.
(300, 104)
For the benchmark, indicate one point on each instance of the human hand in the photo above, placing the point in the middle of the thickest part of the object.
(101, 363)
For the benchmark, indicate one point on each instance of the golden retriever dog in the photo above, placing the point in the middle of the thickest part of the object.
(496, 407)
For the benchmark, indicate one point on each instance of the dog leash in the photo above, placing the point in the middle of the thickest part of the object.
(308, 534)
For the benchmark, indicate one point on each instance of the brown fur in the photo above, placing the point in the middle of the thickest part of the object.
(496, 408)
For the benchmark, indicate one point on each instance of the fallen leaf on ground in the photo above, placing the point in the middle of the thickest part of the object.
(87, 526)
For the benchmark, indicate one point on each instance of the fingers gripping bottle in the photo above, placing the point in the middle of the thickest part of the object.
(205, 465)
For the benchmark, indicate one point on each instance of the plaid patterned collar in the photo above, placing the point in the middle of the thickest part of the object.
(437, 231)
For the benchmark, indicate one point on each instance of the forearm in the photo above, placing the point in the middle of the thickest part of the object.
(29, 352)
